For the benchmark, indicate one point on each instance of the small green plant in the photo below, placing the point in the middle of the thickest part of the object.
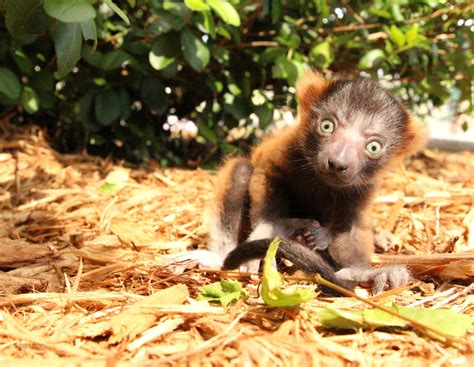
(272, 290)
(225, 292)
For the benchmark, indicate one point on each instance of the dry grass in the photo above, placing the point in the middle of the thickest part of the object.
(82, 280)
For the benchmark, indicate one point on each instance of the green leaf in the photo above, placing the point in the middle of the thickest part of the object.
(154, 95)
(222, 31)
(389, 47)
(89, 30)
(160, 25)
(107, 107)
(288, 37)
(234, 89)
(323, 7)
(228, 148)
(276, 10)
(171, 70)
(9, 84)
(177, 9)
(238, 107)
(209, 24)
(322, 54)
(397, 36)
(285, 31)
(380, 12)
(48, 101)
(137, 48)
(86, 107)
(113, 60)
(339, 319)
(290, 70)
(270, 54)
(293, 41)
(444, 320)
(108, 188)
(70, 11)
(117, 11)
(115, 180)
(91, 56)
(412, 35)
(272, 282)
(26, 17)
(195, 51)
(397, 13)
(207, 132)
(68, 43)
(225, 292)
(23, 62)
(196, 5)
(225, 11)
(43, 81)
(371, 58)
(124, 103)
(432, 3)
(265, 114)
(29, 100)
(164, 51)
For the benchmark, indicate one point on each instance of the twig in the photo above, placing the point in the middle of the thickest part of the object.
(444, 302)
(254, 44)
(421, 328)
(156, 332)
(353, 12)
(432, 298)
(77, 279)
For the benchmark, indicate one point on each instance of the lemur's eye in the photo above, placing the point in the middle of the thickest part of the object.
(373, 148)
(327, 127)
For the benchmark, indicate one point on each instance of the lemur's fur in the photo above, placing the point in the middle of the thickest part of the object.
(318, 175)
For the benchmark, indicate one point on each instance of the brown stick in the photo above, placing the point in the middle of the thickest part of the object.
(447, 266)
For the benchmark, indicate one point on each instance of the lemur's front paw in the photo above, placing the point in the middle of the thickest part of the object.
(314, 236)
(389, 276)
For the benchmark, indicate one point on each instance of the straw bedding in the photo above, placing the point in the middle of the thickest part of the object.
(82, 279)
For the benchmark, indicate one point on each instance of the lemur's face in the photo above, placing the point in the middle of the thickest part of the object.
(352, 130)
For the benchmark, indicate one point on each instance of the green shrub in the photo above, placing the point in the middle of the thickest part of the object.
(107, 77)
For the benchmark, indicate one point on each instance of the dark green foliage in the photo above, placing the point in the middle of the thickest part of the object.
(106, 75)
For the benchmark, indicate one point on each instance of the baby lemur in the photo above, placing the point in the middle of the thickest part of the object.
(318, 175)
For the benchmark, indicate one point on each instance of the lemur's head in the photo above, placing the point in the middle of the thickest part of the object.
(353, 128)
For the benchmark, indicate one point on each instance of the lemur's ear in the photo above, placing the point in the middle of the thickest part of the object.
(416, 136)
(309, 89)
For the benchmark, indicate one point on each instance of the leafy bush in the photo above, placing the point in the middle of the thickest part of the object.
(128, 78)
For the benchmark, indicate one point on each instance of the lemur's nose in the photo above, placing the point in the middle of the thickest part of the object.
(337, 165)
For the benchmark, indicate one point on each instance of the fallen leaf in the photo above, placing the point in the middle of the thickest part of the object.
(444, 320)
(272, 282)
(225, 292)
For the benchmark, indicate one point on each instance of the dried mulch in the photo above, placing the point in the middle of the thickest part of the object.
(82, 280)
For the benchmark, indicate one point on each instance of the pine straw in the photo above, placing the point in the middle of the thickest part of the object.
(82, 280)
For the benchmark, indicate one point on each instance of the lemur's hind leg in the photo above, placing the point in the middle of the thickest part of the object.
(228, 215)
